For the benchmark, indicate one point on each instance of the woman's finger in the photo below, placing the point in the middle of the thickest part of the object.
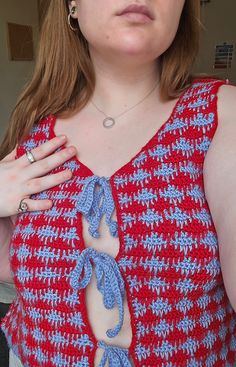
(36, 185)
(35, 205)
(43, 166)
(43, 150)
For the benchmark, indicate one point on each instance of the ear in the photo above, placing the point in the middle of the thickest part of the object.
(72, 4)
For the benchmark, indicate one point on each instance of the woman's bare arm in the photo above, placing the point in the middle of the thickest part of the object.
(6, 230)
(220, 186)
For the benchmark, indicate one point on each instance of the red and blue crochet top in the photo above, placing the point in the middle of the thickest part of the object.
(168, 261)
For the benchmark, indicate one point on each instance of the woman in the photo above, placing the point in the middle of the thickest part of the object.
(119, 263)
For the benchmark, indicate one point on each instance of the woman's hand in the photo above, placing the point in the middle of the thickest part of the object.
(20, 178)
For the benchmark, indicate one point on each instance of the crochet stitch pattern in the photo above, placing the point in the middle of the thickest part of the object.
(168, 261)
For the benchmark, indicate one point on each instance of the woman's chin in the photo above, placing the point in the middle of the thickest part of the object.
(135, 50)
(132, 41)
(131, 48)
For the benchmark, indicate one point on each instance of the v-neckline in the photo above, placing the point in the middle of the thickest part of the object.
(144, 148)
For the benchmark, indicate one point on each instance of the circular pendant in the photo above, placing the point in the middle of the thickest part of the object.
(108, 122)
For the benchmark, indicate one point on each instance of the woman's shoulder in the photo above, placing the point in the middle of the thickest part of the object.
(225, 91)
(198, 81)
(227, 105)
(225, 135)
(215, 89)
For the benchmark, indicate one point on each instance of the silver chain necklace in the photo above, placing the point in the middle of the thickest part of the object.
(109, 121)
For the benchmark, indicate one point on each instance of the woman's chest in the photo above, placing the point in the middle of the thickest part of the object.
(105, 150)
(165, 233)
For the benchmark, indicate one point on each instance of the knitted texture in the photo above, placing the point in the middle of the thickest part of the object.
(168, 260)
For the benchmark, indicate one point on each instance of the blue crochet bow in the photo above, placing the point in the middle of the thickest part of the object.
(96, 200)
(115, 356)
(109, 281)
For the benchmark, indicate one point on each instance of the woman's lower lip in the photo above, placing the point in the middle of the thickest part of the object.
(136, 17)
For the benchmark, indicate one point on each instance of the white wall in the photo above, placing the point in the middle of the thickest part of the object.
(14, 74)
(219, 19)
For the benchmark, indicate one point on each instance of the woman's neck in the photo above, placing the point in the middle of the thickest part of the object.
(118, 87)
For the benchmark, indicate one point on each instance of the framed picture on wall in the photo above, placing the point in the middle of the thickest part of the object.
(224, 55)
(20, 42)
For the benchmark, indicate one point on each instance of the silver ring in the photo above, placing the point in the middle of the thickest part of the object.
(23, 207)
(30, 156)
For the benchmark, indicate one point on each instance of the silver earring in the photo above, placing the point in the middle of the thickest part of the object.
(72, 12)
